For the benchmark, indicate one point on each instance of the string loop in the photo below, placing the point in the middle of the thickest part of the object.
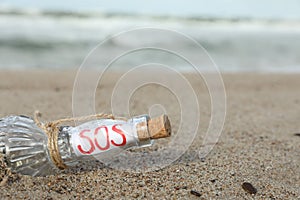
(52, 131)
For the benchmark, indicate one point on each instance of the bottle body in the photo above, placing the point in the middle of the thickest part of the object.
(101, 139)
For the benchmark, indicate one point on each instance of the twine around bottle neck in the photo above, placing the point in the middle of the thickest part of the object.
(52, 131)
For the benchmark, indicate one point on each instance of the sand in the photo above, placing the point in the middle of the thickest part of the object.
(258, 143)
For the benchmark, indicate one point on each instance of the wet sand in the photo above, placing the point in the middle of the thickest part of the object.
(258, 144)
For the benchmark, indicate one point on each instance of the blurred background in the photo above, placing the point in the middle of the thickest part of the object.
(249, 35)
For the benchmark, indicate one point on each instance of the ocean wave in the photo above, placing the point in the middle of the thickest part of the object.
(38, 45)
(49, 38)
(93, 14)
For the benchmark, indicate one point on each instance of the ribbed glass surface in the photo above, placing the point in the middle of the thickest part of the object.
(25, 146)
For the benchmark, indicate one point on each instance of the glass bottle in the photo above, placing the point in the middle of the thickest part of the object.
(25, 145)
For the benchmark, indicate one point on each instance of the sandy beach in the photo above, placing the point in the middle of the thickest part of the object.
(259, 143)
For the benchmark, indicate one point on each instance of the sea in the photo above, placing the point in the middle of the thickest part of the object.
(49, 37)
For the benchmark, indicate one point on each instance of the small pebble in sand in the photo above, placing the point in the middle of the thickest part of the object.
(248, 187)
(213, 180)
(178, 188)
(193, 192)
(297, 134)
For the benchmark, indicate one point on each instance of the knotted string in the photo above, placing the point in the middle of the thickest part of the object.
(52, 131)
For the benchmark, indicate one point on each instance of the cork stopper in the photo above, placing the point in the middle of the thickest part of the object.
(158, 127)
